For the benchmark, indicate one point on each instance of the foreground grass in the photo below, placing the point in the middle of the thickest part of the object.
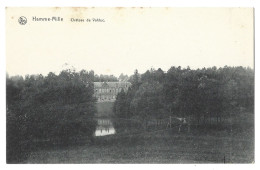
(200, 146)
(104, 109)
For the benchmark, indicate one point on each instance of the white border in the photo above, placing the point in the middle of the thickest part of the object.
(121, 3)
(130, 3)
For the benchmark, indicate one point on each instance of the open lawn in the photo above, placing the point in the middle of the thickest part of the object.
(104, 109)
(168, 146)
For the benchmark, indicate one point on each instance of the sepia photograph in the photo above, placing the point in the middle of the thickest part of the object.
(130, 85)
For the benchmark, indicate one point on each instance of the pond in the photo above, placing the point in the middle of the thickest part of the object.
(104, 127)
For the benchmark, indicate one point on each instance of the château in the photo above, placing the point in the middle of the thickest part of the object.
(107, 91)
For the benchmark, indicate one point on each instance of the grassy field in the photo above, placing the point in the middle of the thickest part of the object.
(228, 144)
(104, 109)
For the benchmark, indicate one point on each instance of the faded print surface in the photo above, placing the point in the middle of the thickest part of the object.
(130, 85)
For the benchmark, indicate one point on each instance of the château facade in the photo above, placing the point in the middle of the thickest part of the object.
(107, 91)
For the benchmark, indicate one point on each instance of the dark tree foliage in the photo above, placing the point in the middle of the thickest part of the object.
(135, 80)
(123, 77)
(203, 95)
(54, 108)
(119, 106)
(105, 78)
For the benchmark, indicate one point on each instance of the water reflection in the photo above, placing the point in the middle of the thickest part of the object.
(104, 127)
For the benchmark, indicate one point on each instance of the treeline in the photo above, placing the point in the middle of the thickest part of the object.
(203, 95)
(110, 78)
(105, 78)
(56, 109)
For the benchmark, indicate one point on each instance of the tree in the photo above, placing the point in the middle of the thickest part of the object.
(56, 108)
(135, 79)
(123, 77)
(208, 93)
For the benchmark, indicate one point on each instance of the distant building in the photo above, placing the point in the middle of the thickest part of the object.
(107, 91)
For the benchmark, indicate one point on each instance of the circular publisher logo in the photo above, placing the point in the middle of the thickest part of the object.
(22, 20)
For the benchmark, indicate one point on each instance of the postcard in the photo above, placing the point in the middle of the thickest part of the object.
(130, 85)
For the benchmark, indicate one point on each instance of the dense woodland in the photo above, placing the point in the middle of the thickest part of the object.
(56, 109)
(204, 96)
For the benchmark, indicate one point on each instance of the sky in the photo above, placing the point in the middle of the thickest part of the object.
(129, 39)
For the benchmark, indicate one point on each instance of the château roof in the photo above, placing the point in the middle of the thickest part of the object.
(112, 84)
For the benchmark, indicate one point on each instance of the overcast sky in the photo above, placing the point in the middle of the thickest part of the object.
(129, 39)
